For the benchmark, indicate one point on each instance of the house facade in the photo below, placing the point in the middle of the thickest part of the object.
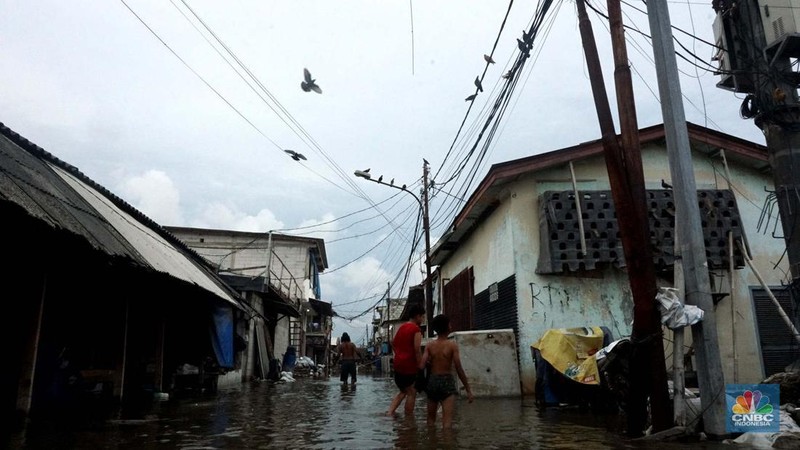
(278, 276)
(514, 257)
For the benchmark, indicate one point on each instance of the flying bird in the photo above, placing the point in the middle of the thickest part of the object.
(309, 84)
(488, 59)
(295, 156)
(665, 185)
(478, 84)
(470, 98)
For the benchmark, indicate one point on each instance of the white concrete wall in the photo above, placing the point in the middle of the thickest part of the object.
(489, 359)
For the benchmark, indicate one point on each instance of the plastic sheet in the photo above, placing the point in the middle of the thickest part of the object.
(674, 314)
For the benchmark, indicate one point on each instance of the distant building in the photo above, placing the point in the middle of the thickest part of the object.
(278, 276)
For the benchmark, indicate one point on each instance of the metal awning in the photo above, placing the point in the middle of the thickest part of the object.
(322, 308)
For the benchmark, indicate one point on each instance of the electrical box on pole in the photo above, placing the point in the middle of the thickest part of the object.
(758, 47)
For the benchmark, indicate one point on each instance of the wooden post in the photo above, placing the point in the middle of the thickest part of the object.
(648, 376)
(678, 370)
(578, 207)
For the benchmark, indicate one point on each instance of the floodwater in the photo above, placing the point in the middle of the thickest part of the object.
(321, 414)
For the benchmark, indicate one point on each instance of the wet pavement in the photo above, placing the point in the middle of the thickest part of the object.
(321, 414)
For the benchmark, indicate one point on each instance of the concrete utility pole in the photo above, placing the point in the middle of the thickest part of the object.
(695, 267)
(423, 205)
(766, 73)
(647, 373)
(426, 226)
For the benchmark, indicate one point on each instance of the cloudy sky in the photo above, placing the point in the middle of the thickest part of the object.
(144, 98)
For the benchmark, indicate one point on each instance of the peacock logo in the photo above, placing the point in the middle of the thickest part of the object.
(752, 407)
(752, 402)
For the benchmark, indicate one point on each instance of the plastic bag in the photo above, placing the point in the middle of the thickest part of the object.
(674, 314)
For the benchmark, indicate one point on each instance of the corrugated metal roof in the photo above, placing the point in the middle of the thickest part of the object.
(61, 196)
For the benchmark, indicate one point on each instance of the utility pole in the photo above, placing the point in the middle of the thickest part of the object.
(695, 267)
(423, 205)
(647, 375)
(761, 67)
(630, 172)
(426, 226)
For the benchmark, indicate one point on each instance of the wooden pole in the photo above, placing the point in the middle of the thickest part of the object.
(775, 302)
(678, 370)
(647, 366)
(578, 207)
(730, 276)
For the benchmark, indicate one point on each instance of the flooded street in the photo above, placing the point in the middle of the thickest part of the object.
(322, 414)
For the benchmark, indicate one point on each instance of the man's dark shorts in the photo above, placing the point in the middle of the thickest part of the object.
(348, 369)
(403, 381)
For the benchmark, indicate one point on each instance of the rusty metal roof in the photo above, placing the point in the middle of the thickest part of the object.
(59, 195)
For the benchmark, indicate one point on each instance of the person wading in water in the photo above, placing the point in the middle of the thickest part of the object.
(347, 358)
(443, 355)
(407, 346)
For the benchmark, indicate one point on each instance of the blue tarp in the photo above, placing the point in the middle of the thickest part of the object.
(222, 334)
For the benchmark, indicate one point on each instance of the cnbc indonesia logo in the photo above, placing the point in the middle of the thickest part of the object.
(752, 409)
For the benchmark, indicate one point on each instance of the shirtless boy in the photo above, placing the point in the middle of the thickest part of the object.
(443, 355)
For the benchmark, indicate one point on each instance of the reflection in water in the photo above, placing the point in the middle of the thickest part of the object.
(325, 414)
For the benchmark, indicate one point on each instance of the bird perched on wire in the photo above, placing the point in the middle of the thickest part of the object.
(665, 185)
(508, 74)
(295, 156)
(527, 38)
(478, 84)
(380, 178)
(470, 98)
(309, 84)
(366, 171)
(488, 59)
(391, 181)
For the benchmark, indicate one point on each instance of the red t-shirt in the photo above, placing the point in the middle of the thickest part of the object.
(405, 355)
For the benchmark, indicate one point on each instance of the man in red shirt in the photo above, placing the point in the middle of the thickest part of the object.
(407, 345)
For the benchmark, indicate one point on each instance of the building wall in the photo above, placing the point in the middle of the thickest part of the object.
(282, 337)
(507, 242)
(290, 260)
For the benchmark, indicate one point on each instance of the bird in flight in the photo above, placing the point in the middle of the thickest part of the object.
(478, 84)
(488, 59)
(309, 84)
(295, 156)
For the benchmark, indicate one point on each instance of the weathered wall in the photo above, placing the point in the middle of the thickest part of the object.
(508, 242)
(489, 251)
(489, 359)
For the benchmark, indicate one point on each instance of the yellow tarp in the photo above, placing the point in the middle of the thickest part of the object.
(571, 352)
